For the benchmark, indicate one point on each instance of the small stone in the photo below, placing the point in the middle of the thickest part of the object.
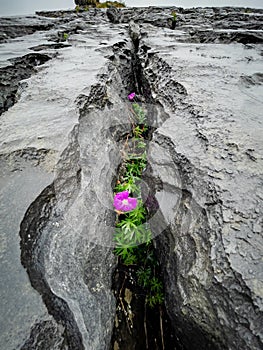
(235, 226)
(257, 228)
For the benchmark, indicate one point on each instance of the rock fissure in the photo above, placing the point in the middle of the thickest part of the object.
(22, 68)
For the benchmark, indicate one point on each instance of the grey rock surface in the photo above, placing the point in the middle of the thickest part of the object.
(59, 155)
(113, 14)
(206, 169)
(55, 180)
(24, 25)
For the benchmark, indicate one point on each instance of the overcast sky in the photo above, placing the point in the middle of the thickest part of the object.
(196, 3)
(13, 7)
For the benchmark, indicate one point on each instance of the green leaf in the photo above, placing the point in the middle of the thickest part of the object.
(139, 113)
(141, 144)
(144, 275)
(156, 285)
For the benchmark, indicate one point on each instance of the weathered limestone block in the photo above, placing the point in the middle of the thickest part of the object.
(206, 172)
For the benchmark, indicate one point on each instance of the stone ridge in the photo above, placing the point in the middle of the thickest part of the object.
(202, 156)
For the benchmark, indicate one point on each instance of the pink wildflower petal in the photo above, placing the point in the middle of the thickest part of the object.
(132, 203)
(122, 195)
(122, 202)
(131, 96)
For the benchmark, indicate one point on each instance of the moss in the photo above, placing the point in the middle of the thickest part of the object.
(65, 36)
(107, 4)
(86, 4)
(92, 2)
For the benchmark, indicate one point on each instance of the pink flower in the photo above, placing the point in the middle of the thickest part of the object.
(122, 201)
(131, 96)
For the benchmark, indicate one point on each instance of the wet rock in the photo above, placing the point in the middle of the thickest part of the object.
(207, 189)
(49, 46)
(43, 331)
(61, 15)
(204, 24)
(224, 36)
(17, 26)
(22, 68)
(113, 14)
(14, 67)
(254, 79)
(58, 161)
(47, 157)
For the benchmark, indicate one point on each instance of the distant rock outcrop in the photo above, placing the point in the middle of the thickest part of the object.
(86, 2)
(113, 14)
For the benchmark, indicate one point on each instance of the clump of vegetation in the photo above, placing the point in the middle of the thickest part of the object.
(248, 10)
(174, 15)
(107, 4)
(91, 2)
(85, 5)
(173, 20)
(65, 36)
(133, 237)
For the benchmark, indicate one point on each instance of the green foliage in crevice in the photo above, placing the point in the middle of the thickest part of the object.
(133, 237)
